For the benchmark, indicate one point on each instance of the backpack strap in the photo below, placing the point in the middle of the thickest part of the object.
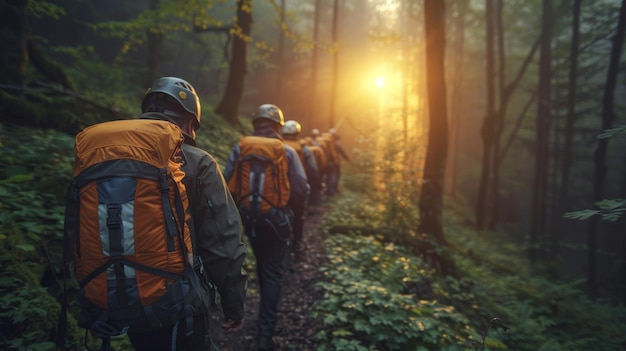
(254, 190)
(121, 260)
(167, 209)
(192, 275)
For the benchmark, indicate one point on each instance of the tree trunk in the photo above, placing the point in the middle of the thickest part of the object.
(13, 37)
(608, 114)
(431, 197)
(155, 48)
(569, 125)
(498, 120)
(228, 108)
(542, 146)
(281, 55)
(313, 97)
(487, 128)
(456, 101)
(335, 38)
(406, 67)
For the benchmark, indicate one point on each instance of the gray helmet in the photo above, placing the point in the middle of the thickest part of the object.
(271, 112)
(181, 91)
(291, 127)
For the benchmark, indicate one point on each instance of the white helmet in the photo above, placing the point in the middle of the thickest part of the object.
(291, 127)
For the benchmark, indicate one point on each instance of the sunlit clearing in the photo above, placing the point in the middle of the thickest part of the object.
(380, 82)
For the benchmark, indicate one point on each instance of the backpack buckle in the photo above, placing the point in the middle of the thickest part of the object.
(114, 216)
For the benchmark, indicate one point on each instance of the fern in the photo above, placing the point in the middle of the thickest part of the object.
(608, 210)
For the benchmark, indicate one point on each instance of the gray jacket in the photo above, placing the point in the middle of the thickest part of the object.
(217, 228)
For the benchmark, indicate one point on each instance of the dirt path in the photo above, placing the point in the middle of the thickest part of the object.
(295, 329)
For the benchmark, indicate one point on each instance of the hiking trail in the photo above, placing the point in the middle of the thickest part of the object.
(295, 329)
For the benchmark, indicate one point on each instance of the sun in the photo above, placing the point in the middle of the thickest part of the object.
(380, 81)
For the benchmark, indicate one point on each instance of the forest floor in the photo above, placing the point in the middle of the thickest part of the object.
(296, 328)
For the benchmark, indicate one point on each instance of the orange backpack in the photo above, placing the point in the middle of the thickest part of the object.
(126, 237)
(259, 180)
(296, 145)
(325, 141)
(320, 158)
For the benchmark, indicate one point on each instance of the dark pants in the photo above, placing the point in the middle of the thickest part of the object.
(316, 194)
(270, 252)
(164, 339)
(299, 211)
(332, 180)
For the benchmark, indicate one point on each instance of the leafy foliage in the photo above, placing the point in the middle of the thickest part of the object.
(370, 280)
(612, 132)
(27, 311)
(40, 8)
(32, 184)
(372, 301)
(608, 209)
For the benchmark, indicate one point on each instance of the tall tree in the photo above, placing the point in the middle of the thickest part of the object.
(487, 129)
(456, 101)
(498, 118)
(335, 53)
(228, 108)
(599, 157)
(542, 126)
(569, 123)
(14, 38)
(154, 41)
(505, 91)
(406, 68)
(313, 98)
(431, 197)
(281, 53)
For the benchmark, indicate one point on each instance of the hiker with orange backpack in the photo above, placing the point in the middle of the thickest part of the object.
(339, 153)
(150, 227)
(324, 141)
(216, 225)
(290, 132)
(264, 175)
(321, 159)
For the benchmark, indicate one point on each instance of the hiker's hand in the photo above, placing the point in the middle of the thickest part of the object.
(232, 325)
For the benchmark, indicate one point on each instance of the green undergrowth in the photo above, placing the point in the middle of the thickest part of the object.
(379, 295)
(33, 179)
(371, 301)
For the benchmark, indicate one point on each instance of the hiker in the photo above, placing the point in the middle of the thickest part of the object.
(339, 153)
(321, 159)
(314, 134)
(324, 141)
(215, 222)
(262, 192)
(290, 132)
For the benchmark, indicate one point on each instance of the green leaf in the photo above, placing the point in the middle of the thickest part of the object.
(43, 346)
(25, 247)
(610, 205)
(581, 215)
(342, 332)
(612, 132)
(18, 178)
